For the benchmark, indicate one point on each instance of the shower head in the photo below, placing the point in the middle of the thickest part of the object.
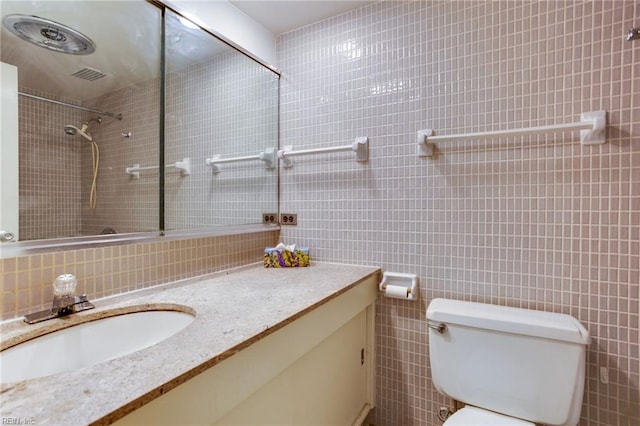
(84, 129)
(71, 130)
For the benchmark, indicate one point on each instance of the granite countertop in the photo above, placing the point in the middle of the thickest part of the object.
(233, 310)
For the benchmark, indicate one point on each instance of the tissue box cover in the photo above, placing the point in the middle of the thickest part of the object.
(274, 258)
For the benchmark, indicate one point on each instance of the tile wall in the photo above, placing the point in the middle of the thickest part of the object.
(225, 106)
(26, 280)
(538, 222)
(49, 176)
(56, 169)
(123, 204)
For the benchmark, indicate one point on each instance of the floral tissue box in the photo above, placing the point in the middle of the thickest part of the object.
(286, 256)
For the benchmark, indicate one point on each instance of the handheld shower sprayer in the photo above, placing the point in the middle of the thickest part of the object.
(71, 130)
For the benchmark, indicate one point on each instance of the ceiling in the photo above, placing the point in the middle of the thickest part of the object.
(283, 16)
(127, 36)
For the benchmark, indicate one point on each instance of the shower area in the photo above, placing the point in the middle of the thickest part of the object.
(93, 101)
(65, 158)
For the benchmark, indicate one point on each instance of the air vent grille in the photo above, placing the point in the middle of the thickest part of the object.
(90, 74)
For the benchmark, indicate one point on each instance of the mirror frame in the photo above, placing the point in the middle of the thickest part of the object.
(32, 247)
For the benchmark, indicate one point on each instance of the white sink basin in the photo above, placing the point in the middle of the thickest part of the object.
(89, 343)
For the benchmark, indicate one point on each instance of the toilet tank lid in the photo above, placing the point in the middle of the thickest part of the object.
(506, 319)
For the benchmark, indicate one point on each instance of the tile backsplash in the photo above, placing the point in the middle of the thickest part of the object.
(26, 280)
(537, 222)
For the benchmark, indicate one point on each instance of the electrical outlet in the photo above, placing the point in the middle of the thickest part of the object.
(288, 219)
(269, 217)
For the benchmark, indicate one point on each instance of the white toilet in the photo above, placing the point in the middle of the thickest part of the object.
(509, 366)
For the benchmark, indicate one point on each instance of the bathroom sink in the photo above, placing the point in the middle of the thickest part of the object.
(89, 343)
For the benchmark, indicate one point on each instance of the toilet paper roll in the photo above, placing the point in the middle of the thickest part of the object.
(397, 291)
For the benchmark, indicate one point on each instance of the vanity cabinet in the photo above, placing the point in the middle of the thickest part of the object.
(318, 369)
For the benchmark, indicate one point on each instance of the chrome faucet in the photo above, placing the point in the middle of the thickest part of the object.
(64, 301)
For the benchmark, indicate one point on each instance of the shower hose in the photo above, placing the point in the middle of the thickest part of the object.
(95, 157)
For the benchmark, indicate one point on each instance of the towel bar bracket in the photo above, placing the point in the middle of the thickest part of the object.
(425, 149)
(597, 134)
(361, 147)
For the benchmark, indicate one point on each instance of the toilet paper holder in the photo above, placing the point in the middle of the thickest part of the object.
(399, 286)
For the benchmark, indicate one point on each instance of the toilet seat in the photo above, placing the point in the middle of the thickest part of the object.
(474, 416)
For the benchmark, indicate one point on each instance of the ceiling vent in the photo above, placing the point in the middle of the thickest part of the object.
(90, 74)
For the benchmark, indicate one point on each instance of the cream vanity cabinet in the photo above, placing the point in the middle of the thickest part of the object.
(316, 370)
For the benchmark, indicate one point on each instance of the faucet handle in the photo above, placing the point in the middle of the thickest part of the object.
(65, 285)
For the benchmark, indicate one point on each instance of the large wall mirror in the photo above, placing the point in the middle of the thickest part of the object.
(221, 106)
(109, 144)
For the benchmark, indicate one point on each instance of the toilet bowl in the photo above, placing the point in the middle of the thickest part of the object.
(510, 366)
(473, 416)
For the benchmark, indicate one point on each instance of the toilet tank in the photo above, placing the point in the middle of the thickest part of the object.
(518, 362)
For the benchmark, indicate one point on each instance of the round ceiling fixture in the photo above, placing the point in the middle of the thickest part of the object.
(49, 34)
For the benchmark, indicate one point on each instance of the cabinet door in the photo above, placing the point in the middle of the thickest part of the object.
(327, 386)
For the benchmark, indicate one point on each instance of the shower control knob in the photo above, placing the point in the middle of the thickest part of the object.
(127, 134)
(6, 236)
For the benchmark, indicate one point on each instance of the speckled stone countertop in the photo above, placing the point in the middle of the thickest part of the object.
(233, 310)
